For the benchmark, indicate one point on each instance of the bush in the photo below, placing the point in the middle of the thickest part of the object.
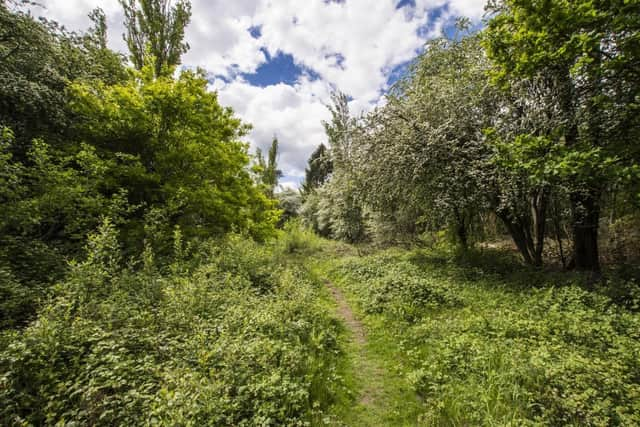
(236, 340)
(297, 238)
(396, 287)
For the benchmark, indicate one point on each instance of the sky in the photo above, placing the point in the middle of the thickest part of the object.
(276, 62)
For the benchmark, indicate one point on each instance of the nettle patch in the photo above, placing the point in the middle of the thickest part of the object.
(237, 340)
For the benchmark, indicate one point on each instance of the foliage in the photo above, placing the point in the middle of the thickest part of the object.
(426, 152)
(336, 209)
(39, 58)
(290, 202)
(530, 121)
(237, 339)
(481, 346)
(587, 51)
(83, 137)
(269, 174)
(297, 238)
(48, 207)
(319, 169)
(398, 289)
(155, 33)
(187, 157)
(132, 190)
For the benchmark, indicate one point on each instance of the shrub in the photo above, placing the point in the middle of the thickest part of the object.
(297, 238)
(237, 340)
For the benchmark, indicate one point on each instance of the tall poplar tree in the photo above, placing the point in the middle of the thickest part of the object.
(269, 172)
(156, 27)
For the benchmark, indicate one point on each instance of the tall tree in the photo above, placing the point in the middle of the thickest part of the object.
(269, 172)
(424, 151)
(591, 50)
(318, 170)
(156, 27)
(99, 30)
(340, 196)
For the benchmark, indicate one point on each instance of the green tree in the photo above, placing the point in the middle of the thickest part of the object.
(55, 183)
(99, 31)
(590, 51)
(269, 172)
(337, 207)
(318, 170)
(175, 148)
(290, 202)
(421, 159)
(156, 28)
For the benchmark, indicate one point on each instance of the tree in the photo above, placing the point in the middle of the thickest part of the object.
(269, 172)
(156, 28)
(174, 148)
(99, 30)
(54, 181)
(290, 203)
(590, 51)
(421, 158)
(339, 208)
(318, 170)
(524, 139)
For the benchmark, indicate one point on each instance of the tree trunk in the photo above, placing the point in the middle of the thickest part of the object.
(558, 230)
(528, 230)
(462, 236)
(539, 201)
(461, 229)
(519, 237)
(585, 207)
(586, 215)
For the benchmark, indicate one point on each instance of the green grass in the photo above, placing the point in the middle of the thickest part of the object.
(373, 371)
(248, 334)
(482, 340)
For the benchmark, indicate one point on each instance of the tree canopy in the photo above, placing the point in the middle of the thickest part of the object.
(155, 32)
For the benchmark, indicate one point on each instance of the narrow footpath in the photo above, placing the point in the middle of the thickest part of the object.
(381, 394)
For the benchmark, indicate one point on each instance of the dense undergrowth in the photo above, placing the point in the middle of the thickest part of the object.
(232, 334)
(485, 342)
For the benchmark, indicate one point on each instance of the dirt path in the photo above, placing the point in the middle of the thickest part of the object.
(382, 396)
(345, 312)
(368, 371)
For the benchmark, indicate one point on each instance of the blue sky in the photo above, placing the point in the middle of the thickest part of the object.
(277, 61)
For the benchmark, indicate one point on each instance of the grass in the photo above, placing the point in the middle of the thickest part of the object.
(375, 390)
(481, 340)
(251, 335)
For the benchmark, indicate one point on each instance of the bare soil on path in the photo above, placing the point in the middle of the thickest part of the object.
(382, 395)
(368, 370)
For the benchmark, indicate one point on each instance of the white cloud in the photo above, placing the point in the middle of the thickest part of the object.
(219, 37)
(370, 38)
(74, 15)
(352, 45)
(473, 9)
(292, 113)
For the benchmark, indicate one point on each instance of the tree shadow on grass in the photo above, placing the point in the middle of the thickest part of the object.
(502, 267)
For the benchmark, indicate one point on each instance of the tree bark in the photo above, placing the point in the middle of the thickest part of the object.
(586, 216)
(519, 237)
(528, 229)
(558, 231)
(539, 200)
(461, 229)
